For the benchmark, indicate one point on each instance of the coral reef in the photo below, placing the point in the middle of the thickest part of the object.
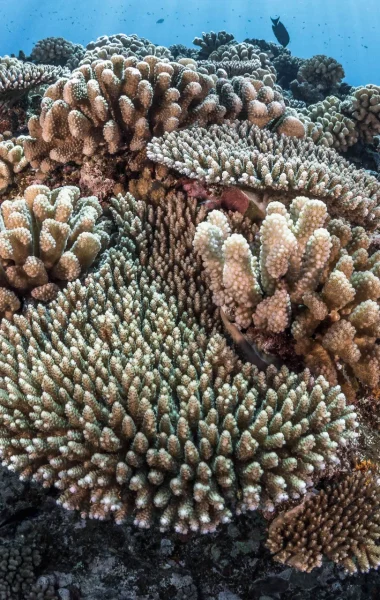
(169, 363)
(106, 46)
(241, 51)
(209, 42)
(231, 68)
(57, 51)
(17, 77)
(123, 395)
(287, 67)
(241, 154)
(341, 523)
(12, 160)
(125, 101)
(47, 236)
(363, 106)
(326, 124)
(317, 77)
(307, 274)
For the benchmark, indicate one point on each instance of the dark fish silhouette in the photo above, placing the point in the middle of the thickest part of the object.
(160, 21)
(280, 32)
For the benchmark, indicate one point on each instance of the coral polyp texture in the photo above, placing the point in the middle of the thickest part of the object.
(106, 46)
(123, 102)
(57, 51)
(241, 154)
(314, 277)
(17, 77)
(12, 161)
(341, 523)
(211, 41)
(326, 125)
(363, 106)
(317, 76)
(123, 394)
(47, 236)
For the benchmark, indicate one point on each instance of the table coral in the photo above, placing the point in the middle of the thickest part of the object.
(242, 154)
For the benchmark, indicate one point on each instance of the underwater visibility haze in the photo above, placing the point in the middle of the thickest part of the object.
(189, 300)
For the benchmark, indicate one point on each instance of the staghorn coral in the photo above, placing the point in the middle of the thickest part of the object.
(124, 396)
(209, 42)
(57, 51)
(363, 106)
(17, 77)
(47, 236)
(326, 125)
(241, 154)
(341, 523)
(106, 46)
(12, 160)
(307, 274)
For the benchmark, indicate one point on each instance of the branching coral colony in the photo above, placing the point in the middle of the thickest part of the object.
(132, 330)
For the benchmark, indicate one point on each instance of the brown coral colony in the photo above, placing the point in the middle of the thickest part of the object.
(142, 334)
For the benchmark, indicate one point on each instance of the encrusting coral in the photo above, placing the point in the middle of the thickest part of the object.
(19, 561)
(123, 394)
(47, 236)
(310, 275)
(341, 523)
(243, 155)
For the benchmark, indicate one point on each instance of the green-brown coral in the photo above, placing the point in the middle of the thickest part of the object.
(341, 522)
(123, 394)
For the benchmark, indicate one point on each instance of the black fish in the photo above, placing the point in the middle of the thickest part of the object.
(160, 21)
(280, 32)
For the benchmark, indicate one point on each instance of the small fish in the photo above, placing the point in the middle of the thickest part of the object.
(280, 31)
(245, 349)
(160, 21)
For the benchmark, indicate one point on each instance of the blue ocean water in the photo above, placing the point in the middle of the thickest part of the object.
(347, 30)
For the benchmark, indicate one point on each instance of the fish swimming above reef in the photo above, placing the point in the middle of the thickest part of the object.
(280, 31)
(160, 21)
